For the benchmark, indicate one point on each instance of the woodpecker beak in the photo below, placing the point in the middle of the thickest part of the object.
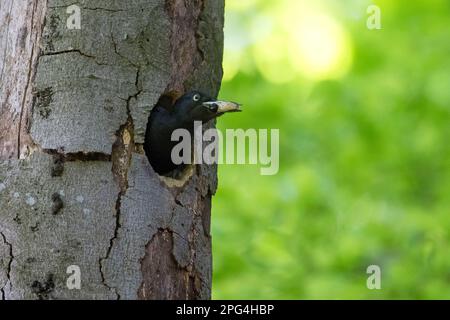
(223, 106)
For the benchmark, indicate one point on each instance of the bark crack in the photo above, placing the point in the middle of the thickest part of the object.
(87, 8)
(78, 156)
(55, 53)
(116, 51)
(9, 266)
(111, 243)
(121, 158)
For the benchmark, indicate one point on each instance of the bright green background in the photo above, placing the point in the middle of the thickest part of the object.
(364, 151)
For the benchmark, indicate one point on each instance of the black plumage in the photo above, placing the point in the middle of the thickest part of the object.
(163, 120)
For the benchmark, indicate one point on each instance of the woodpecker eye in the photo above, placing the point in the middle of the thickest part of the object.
(196, 97)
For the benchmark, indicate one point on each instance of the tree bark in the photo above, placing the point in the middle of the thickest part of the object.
(75, 186)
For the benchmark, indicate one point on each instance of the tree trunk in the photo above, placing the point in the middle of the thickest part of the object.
(76, 189)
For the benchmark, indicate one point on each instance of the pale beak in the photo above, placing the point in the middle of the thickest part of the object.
(223, 106)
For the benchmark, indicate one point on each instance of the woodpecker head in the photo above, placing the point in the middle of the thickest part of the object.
(196, 106)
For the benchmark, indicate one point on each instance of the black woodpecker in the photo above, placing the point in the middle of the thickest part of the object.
(163, 120)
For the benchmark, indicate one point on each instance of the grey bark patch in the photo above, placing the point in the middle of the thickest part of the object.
(145, 207)
(99, 64)
(181, 225)
(51, 245)
(76, 98)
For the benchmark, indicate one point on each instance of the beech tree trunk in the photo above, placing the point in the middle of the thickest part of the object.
(76, 188)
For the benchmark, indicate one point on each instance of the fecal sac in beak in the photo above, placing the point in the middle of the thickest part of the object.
(224, 106)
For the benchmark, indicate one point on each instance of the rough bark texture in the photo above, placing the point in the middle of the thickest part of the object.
(75, 186)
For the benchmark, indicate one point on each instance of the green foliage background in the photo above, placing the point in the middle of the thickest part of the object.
(364, 155)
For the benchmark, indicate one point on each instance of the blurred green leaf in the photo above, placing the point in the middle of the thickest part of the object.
(364, 153)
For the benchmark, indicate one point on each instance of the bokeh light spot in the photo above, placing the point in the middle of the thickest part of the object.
(321, 48)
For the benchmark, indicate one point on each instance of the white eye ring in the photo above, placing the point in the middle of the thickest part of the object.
(196, 97)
